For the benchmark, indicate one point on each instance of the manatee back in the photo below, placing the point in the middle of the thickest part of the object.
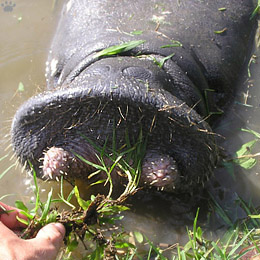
(214, 36)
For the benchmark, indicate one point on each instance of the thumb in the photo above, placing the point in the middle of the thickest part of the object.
(49, 239)
(53, 233)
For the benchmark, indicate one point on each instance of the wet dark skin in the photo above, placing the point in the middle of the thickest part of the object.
(96, 100)
(44, 246)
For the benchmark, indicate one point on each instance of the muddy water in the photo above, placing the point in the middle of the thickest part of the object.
(26, 31)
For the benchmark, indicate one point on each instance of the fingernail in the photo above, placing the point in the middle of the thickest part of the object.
(60, 228)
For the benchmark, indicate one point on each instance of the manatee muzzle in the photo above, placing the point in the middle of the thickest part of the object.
(110, 97)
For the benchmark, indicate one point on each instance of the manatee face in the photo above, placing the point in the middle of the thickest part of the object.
(111, 96)
(155, 90)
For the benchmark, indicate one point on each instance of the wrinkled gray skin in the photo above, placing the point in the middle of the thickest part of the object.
(89, 95)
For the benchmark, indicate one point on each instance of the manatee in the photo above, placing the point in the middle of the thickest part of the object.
(166, 69)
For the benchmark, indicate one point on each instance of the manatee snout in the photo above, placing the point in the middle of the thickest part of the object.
(109, 104)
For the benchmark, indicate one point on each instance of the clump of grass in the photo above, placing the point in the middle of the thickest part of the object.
(82, 221)
(127, 158)
(85, 222)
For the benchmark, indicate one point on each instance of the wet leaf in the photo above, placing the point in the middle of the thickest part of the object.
(256, 10)
(20, 205)
(254, 216)
(220, 31)
(174, 44)
(248, 164)
(243, 160)
(28, 215)
(117, 49)
(124, 245)
(256, 134)
(163, 60)
(70, 195)
(122, 208)
(83, 204)
(138, 236)
(22, 221)
(21, 87)
(246, 148)
(138, 32)
(106, 220)
(199, 232)
(97, 182)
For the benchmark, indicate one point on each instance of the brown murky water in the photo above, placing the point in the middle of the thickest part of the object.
(26, 32)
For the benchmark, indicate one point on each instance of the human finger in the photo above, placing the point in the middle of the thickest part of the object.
(9, 214)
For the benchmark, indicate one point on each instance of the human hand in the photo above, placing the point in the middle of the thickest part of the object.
(44, 246)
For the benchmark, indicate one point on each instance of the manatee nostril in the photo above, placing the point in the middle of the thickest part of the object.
(159, 170)
(57, 162)
(137, 72)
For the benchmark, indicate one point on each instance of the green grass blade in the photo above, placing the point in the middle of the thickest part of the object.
(239, 244)
(219, 251)
(6, 171)
(36, 191)
(195, 227)
(157, 251)
(22, 221)
(256, 134)
(46, 206)
(20, 205)
(97, 166)
(221, 212)
(2, 158)
(118, 49)
(70, 195)
(6, 195)
(256, 10)
(248, 211)
(83, 204)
